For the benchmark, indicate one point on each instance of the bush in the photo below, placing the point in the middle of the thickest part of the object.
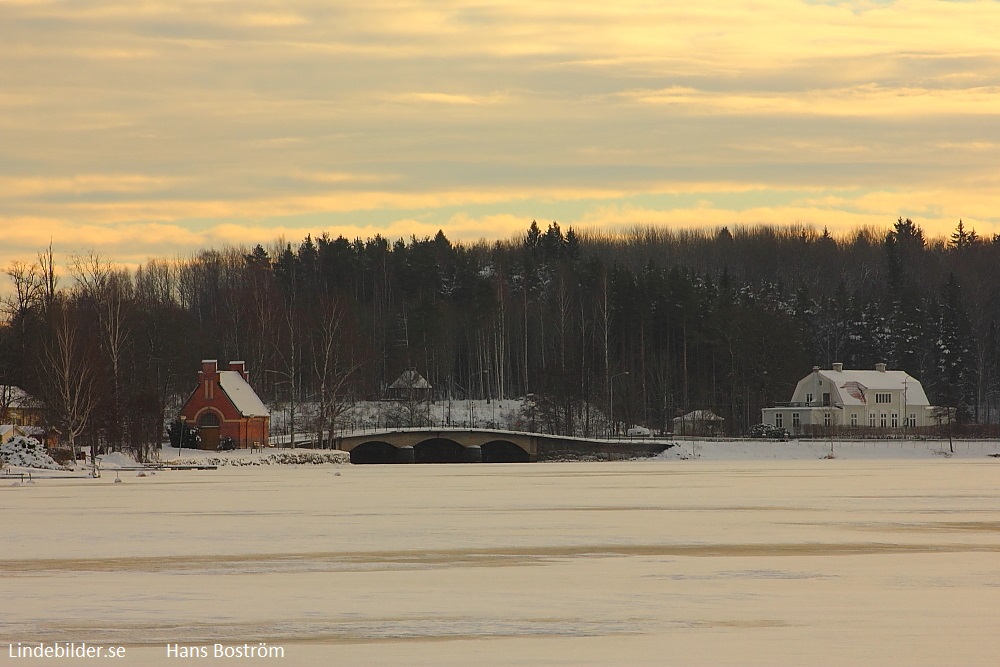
(61, 456)
(192, 437)
(767, 432)
(25, 452)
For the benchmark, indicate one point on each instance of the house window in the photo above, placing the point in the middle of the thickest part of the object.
(826, 419)
(895, 420)
(883, 398)
(854, 419)
(883, 422)
(826, 398)
(795, 420)
(809, 398)
(913, 419)
(871, 419)
(778, 420)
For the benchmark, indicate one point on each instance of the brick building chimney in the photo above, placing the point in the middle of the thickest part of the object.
(209, 369)
(240, 367)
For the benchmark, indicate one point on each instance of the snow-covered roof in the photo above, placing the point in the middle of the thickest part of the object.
(410, 380)
(700, 416)
(242, 394)
(17, 397)
(8, 431)
(855, 387)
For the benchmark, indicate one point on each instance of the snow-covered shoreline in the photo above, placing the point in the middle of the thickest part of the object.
(269, 457)
(117, 461)
(795, 450)
(681, 450)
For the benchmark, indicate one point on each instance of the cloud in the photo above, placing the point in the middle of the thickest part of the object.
(453, 99)
(865, 100)
(261, 19)
(158, 126)
(20, 187)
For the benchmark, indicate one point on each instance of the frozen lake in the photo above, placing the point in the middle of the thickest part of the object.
(843, 562)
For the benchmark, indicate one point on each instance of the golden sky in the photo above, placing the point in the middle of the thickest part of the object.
(139, 128)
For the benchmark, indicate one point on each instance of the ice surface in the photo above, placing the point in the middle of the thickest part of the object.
(694, 562)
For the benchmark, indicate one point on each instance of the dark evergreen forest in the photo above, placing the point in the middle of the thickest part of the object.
(669, 321)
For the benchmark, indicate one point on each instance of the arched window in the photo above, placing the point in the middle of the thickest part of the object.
(208, 419)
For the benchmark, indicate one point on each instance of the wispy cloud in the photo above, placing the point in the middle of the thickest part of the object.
(872, 100)
(147, 126)
(84, 184)
(452, 98)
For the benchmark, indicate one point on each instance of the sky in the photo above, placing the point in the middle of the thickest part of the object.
(156, 128)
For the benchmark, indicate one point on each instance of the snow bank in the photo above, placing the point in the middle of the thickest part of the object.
(281, 457)
(26, 452)
(117, 460)
(797, 450)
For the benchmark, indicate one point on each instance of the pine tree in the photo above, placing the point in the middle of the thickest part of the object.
(533, 237)
(962, 239)
(953, 350)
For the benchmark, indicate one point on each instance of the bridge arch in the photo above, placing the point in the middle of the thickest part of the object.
(438, 450)
(441, 445)
(504, 451)
(375, 451)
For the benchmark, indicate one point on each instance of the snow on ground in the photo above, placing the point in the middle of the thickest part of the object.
(117, 460)
(796, 450)
(729, 450)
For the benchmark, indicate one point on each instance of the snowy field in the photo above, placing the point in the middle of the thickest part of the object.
(866, 561)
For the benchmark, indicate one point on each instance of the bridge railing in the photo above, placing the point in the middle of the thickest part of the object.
(309, 439)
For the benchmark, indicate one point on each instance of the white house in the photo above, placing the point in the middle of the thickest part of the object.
(879, 400)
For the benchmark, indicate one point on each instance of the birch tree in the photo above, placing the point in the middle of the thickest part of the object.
(72, 373)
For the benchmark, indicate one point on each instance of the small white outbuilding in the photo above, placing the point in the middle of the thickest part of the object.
(698, 422)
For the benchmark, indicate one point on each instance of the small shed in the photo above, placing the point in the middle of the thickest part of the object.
(698, 422)
(410, 385)
(224, 405)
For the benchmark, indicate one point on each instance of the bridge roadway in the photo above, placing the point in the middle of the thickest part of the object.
(471, 445)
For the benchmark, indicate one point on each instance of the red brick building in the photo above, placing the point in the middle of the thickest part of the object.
(224, 405)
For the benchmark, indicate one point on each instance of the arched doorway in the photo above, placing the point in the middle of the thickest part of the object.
(208, 427)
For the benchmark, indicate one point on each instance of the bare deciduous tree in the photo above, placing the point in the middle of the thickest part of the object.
(331, 369)
(72, 373)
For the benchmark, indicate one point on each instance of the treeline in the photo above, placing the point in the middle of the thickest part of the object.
(654, 321)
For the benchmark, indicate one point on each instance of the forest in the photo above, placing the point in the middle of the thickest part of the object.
(655, 321)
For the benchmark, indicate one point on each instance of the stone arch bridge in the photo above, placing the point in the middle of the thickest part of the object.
(457, 445)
